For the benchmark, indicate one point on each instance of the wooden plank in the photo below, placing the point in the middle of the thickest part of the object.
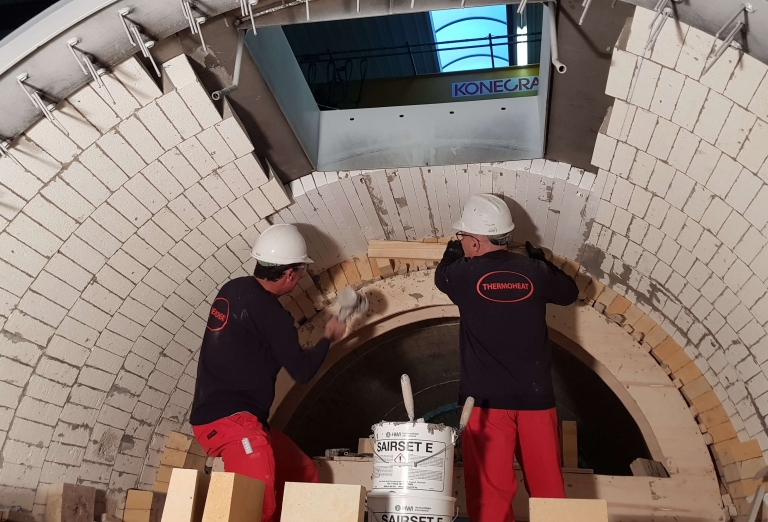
(233, 498)
(405, 250)
(350, 271)
(186, 496)
(70, 503)
(338, 277)
(385, 267)
(363, 267)
(568, 510)
(570, 445)
(323, 503)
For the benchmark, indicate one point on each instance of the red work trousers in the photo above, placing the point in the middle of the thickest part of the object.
(490, 443)
(267, 456)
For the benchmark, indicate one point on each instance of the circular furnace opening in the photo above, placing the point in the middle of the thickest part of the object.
(363, 388)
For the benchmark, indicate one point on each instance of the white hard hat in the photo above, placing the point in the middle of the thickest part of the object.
(485, 214)
(281, 244)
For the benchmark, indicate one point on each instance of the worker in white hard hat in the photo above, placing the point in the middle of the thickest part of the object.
(505, 358)
(249, 338)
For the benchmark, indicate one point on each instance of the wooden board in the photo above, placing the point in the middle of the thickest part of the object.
(186, 496)
(323, 503)
(70, 503)
(648, 468)
(568, 510)
(570, 445)
(233, 498)
(405, 250)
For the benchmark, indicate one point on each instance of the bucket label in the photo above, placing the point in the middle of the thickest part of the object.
(391, 469)
(401, 517)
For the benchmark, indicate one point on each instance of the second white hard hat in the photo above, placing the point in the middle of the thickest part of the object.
(281, 244)
(485, 214)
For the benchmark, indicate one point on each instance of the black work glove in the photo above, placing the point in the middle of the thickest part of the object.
(453, 251)
(535, 253)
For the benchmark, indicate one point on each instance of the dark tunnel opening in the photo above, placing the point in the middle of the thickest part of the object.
(363, 388)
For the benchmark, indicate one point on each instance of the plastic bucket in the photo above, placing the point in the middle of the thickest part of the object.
(403, 507)
(413, 458)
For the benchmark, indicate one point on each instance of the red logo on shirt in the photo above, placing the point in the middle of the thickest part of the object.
(505, 287)
(219, 315)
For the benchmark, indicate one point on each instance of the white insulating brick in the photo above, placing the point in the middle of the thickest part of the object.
(114, 343)
(690, 234)
(21, 351)
(192, 295)
(93, 108)
(620, 74)
(141, 251)
(673, 222)
(41, 308)
(125, 327)
(213, 231)
(642, 129)
(718, 75)
(154, 235)
(183, 210)
(251, 169)
(34, 159)
(757, 212)
(20, 255)
(200, 243)
(185, 255)
(754, 151)
(140, 139)
(117, 96)
(617, 114)
(228, 259)
(51, 217)
(733, 229)
(47, 136)
(7, 302)
(19, 181)
(645, 84)
(202, 200)
(68, 271)
(118, 149)
(157, 174)
(179, 114)
(605, 211)
(663, 139)
(218, 189)
(750, 245)
(197, 156)
(682, 264)
(668, 250)
(29, 328)
(704, 162)
(652, 240)
(670, 85)
(231, 129)
(98, 238)
(216, 146)
(275, 191)
(67, 199)
(15, 452)
(114, 282)
(158, 124)
(622, 192)
(55, 289)
(180, 71)
(129, 207)
(199, 102)
(694, 52)
(234, 179)
(127, 266)
(85, 183)
(34, 235)
(735, 131)
(737, 275)
(9, 395)
(661, 178)
(114, 222)
(706, 247)
(680, 190)
(13, 280)
(259, 202)
(89, 315)
(683, 150)
(178, 165)
(623, 158)
(229, 222)
(759, 103)
(147, 194)
(136, 311)
(712, 117)
(77, 332)
(744, 190)
(170, 222)
(13, 372)
(78, 128)
(101, 166)
(746, 77)
(669, 43)
(724, 176)
(689, 104)
(638, 30)
(137, 80)
(101, 297)
(715, 215)
(244, 212)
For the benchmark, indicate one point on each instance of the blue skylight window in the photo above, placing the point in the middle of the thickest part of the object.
(474, 22)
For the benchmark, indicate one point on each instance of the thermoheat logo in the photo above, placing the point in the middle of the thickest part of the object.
(505, 287)
(219, 315)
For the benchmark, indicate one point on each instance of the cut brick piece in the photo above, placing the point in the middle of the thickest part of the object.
(233, 498)
(620, 74)
(323, 502)
(668, 90)
(137, 79)
(746, 77)
(694, 52)
(712, 117)
(735, 131)
(689, 104)
(718, 75)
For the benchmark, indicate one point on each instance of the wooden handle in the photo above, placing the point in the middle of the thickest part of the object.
(466, 412)
(405, 384)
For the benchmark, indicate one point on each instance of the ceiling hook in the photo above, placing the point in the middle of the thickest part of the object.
(5, 152)
(729, 40)
(136, 37)
(36, 97)
(85, 61)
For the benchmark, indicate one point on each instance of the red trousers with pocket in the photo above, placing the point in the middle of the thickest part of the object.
(490, 443)
(269, 456)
